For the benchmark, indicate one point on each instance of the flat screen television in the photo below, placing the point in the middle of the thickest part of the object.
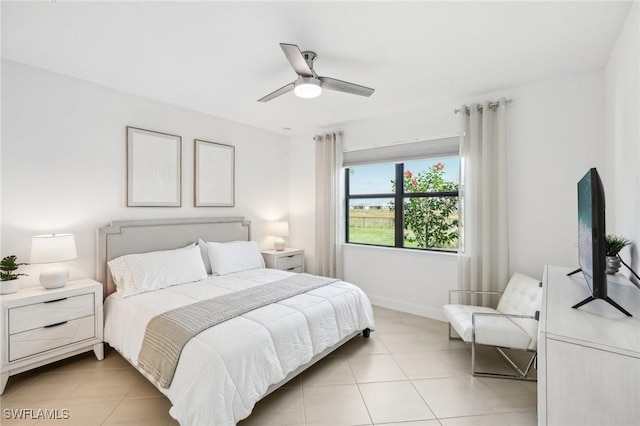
(591, 232)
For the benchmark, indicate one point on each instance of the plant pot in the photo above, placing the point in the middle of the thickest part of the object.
(10, 286)
(613, 265)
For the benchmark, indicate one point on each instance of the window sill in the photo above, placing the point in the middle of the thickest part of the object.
(404, 251)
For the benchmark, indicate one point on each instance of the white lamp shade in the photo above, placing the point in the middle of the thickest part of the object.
(280, 229)
(53, 248)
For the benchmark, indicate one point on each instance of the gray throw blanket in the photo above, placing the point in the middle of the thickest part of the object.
(168, 333)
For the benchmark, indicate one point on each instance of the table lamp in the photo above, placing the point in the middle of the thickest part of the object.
(53, 248)
(279, 229)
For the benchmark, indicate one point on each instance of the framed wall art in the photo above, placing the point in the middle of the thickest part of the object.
(214, 168)
(154, 169)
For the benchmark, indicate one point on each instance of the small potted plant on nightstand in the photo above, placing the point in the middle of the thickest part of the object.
(614, 244)
(8, 277)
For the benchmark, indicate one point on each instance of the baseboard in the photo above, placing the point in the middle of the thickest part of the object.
(410, 308)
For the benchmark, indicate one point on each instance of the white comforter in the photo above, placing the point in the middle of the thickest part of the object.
(226, 369)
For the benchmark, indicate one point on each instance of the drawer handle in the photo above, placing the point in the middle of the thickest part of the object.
(290, 255)
(55, 325)
(56, 300)
(291, 269)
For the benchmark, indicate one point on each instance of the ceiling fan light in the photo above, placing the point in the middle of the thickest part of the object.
(307, 87)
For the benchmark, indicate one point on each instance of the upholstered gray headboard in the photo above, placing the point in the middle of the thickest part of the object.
(141, 236)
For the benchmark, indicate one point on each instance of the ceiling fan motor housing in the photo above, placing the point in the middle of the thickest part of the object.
(309, 57)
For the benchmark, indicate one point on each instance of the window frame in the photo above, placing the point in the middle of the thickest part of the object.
(398, 198)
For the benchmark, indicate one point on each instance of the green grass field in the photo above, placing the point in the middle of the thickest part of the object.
(381, 237)
(376, 227)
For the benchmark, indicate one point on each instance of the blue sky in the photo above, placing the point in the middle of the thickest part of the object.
(376, 178)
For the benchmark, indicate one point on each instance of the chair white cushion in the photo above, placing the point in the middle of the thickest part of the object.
(522, 296)
(494, 331)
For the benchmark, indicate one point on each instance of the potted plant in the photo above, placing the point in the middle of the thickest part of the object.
(8, 276)
(614, 244)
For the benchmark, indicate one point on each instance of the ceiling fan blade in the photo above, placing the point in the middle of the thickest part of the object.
(295, 58)
(344, 86)
(281, 91)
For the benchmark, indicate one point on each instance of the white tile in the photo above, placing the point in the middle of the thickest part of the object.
(427, 365)
(329, 371)
(466, 387)
(454, 397)
(455, 406)
(285, 407)
(394, 402)
(391, 325)
(362, 346)
(419, 341)
(334, 405)
(483, 420)
(511, 403)
(147, 411)
(376, 368)
(416, 322)
(379, 312)
(523, 418)
(105, 385)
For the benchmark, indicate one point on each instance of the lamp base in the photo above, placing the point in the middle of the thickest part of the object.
(279, 244)
(55, 276)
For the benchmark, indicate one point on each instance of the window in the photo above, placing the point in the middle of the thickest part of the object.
(411, 204)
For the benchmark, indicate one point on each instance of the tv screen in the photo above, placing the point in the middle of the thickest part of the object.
(591, 246)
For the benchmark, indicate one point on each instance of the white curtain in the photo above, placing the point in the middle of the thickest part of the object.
(483, 253)
(329, 204)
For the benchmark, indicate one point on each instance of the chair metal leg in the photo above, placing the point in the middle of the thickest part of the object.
(521, 375)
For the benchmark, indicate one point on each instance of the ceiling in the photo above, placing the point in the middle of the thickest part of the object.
(220, 57)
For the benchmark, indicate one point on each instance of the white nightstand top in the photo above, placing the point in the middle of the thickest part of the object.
(38, 292)
(286, 251)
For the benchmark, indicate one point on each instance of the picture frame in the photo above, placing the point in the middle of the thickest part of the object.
(154, 169)
(214, 174)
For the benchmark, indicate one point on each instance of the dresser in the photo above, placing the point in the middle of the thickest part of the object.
(41, 326)
(588, 358)
(289, 259)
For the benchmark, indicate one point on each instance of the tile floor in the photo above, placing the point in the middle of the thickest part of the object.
(407, 373)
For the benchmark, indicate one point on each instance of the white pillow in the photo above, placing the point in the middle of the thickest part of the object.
(204, 251)
(236, 256)
(139, 273)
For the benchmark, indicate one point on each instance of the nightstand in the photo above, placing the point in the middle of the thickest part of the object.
(289, 259)
(41, 326)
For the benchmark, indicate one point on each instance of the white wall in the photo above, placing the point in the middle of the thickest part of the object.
(622, 138)
(64, 162)
(555, 133)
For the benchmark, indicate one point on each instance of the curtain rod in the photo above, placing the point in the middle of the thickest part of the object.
(491, 106)
(341, 133)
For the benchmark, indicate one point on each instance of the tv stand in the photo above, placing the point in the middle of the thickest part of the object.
(591, 298)
(574, 272)
(606, 299)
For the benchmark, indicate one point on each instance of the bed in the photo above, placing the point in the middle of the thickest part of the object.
(224, 370)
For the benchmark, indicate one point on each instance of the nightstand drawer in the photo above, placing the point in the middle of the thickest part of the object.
(53, 336)
(290, 263)
(30, 317)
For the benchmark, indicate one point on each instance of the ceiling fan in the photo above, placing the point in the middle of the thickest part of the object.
(308, 84)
